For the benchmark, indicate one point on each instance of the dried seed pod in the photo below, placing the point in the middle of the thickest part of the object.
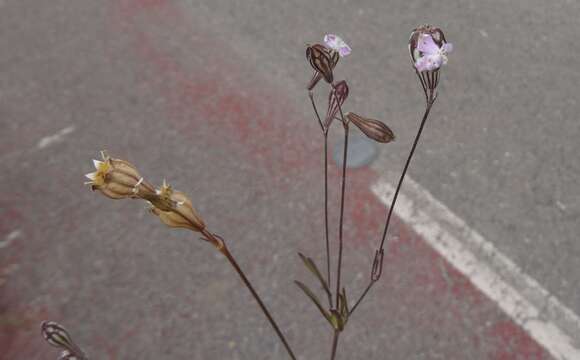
(322, 60)
(374, 129)
(118, 179)
(180, 214)
(334, 57)
(162, 198)
(338, 92)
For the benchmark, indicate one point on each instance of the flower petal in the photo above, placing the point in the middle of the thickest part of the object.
(330, 39)
(336, 43)
(91, 176)
(344, 50)
(421, 64)
(97, 163)
(429, 62)
(427, 45)
(447, 48)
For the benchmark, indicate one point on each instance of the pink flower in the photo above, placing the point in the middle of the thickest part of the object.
(432, 56)
(336, 43)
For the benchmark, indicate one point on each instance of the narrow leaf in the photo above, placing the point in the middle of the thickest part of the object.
(340, 304)
(309, 263)
(314, 299)
(345, 301)
(336, 320)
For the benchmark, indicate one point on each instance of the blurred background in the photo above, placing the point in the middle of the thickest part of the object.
(211, 96)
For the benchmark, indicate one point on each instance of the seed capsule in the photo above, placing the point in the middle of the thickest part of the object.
(338, 92)
(118, 179)
(323, 61)
(374, 129)
(174, 209)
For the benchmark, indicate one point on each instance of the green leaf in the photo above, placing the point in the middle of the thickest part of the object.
(336, 320)
(344, 310)
(315, 300)
(345, 300)
(310, 265)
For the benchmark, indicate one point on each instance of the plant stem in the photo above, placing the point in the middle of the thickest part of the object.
(325, 134)
(224, 250)
(326, 213)
(415, 142)
(390, 213)
(311, 96)
(361, 297)
(334, 344)
(340, 226)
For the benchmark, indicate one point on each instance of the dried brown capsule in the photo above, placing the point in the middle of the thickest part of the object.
(374, 129)
(180, 213)
(338, 92)
(334, 57)
(118, 179)
(323, 61)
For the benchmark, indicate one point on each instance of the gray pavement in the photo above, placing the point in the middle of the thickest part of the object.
(500, 150)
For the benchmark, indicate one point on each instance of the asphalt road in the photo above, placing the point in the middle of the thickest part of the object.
(211, 97)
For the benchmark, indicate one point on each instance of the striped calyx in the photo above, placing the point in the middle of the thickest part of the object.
(323, 60)
(372, 128)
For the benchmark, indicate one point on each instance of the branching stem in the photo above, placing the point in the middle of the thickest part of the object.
(341, 219)
(374, 278)
(325, 134)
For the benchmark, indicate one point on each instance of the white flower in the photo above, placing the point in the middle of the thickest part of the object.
(336, 43)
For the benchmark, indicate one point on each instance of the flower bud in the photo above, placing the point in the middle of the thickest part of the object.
(57, 336)
(323, 60)
(374, 129)
(117, 179)
(338, 92)
(67, 355)
(174, 209)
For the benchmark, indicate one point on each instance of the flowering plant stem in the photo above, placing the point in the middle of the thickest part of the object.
(340, 226)
(221, 245)
(325, 134)
(375, 277)
(326, 211)
(334, 344)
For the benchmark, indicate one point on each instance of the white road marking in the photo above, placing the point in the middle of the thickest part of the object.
(549, 322)
(51, 139)
(10, 238)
